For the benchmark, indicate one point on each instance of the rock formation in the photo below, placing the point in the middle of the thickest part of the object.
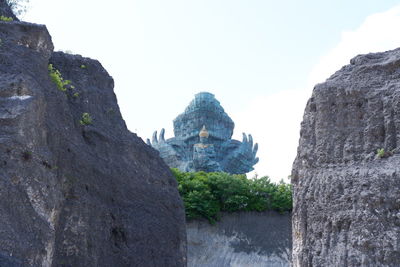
(346, 197)
(76, 192)
(203, 141)
(255, 239)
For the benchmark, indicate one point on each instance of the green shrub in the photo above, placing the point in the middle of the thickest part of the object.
(86, 119)
(3, 18)
(381, 153)
(57, 78)
(207, 194)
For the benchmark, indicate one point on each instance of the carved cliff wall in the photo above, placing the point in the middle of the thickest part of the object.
(74, 194)
(253, 239)
(346, 198)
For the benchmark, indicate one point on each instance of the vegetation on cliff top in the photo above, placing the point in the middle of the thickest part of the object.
(205, 195)
(7, 19)
(18, 6)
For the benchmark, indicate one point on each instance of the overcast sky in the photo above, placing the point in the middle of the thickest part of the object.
(260, 58)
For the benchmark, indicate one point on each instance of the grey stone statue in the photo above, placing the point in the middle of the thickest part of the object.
(203, 141)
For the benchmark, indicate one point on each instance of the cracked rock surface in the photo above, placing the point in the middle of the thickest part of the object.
(76, 194)
(346, 198)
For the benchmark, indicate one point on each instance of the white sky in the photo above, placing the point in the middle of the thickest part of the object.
(260, 58)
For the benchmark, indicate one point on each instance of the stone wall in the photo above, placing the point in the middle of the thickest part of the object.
(241, 239)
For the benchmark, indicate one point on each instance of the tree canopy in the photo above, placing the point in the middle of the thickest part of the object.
(205, 195)
(18, 6)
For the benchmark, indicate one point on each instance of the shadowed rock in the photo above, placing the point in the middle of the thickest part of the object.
(346, 198)
(76, 194)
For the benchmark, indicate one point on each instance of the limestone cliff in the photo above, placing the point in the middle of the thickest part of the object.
(76, 192)
(241, 239)
(346, 197)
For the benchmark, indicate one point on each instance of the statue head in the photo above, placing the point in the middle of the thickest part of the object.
(203, 110)
(203, 135)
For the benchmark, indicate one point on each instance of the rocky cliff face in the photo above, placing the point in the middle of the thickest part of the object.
(72, 193)
(346, 198)
(245, 239)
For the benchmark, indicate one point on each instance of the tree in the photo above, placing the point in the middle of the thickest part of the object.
(207, 194)
(18, 6)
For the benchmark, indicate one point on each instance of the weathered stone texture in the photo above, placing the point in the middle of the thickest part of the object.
(346, 199)
(72, 194)
(188, 151)
(253, 239)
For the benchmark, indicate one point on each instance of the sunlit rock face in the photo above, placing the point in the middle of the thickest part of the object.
(241, 239)
(74, 194)
(203, 141)
(346, 197)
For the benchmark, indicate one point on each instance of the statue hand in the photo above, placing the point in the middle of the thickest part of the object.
(172, 151)
(157, 143)
(247, 150)
(242, 156)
